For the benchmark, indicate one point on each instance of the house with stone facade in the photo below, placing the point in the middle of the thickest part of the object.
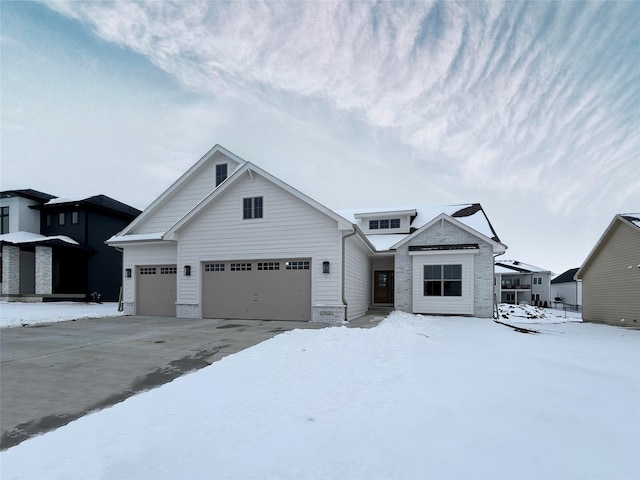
(230, 240)
(53, 248)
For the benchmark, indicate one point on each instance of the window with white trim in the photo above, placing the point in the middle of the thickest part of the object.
(252, 207)
(442, 281)
(537, 280)
(221, 173)
(384, 224)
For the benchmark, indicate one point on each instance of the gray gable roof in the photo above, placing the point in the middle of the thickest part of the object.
(27, 193)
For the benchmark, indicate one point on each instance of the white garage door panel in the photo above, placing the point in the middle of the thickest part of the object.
(257, 294)
(156, 290)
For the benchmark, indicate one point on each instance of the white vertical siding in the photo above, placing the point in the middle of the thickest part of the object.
(290, 228)
(357, 277)
(141, 254)
(446, 305)
(186, 197)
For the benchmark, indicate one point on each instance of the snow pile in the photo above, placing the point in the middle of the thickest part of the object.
(532, 314)
(17, 314)
(415, 397)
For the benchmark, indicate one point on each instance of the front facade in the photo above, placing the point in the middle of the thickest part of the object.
(229, 240)
(516, 282)
(55, 247)
(610, 275)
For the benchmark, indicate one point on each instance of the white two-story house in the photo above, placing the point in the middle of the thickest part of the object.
(516, 282)
(230, 240)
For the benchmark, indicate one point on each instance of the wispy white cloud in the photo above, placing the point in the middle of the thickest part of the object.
(538, 97)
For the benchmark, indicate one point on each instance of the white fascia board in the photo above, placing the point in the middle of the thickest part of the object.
(498, 247)
(136, 238)
(179, 182)
(446, 252)
(385, 214)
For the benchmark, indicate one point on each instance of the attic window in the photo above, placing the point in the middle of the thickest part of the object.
(221, 173)
(252, 207)
(385, 223)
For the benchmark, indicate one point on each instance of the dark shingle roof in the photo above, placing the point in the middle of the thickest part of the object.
(27, 193)
(565, 277)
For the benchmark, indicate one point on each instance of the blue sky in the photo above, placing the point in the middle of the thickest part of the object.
(530, 108)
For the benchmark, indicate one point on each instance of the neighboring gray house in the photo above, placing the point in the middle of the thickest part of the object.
(516, 282)
(229, 240)
(611, 274)
(566, 289)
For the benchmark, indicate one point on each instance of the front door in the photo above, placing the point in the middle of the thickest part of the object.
(383, 286)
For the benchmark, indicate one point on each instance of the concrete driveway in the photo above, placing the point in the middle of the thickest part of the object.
(55, 373)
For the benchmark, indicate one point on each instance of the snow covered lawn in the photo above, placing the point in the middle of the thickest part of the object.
(17, 314)
(414, 398)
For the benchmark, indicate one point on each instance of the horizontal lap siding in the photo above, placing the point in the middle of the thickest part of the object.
(290, 229)
(610, 288)
(357, 278)
(136, 255)
(186, 197)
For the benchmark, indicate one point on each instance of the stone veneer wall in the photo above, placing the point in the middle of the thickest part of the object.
(186, 310)
(44, 270)
(445, 233)
(331, 314)
(10, 270)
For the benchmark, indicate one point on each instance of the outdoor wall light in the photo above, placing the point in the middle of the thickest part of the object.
(127, 272)
(187, 270)
(325, 267)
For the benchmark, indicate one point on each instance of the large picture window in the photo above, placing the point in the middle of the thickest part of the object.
(443, 280)
(252, 207)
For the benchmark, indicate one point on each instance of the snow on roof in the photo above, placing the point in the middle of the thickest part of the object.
(54, 201)
(135, 237)
(632, 217)
(30, 237)
(423, 215)
(515, 265)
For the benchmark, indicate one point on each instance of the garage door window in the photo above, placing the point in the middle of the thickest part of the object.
(297, 265)
(238, 267)
(214, 267)
(148, 271)
(268, 265)
(168, 270)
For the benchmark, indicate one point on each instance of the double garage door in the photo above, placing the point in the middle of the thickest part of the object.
(262, 290)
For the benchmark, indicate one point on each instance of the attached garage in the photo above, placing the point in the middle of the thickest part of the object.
(156, 290)
(264, 290)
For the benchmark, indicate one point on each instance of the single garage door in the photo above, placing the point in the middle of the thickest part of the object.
(156, 290)
(261, 290)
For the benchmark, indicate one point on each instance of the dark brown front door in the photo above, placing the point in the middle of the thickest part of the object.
(383, 286)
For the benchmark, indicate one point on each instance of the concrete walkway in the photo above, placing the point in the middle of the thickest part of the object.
(53, 374)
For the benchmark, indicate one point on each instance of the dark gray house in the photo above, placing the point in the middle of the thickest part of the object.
(54, 248)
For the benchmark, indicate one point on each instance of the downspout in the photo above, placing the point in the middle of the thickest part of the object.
(344, 296)
(496, 312)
